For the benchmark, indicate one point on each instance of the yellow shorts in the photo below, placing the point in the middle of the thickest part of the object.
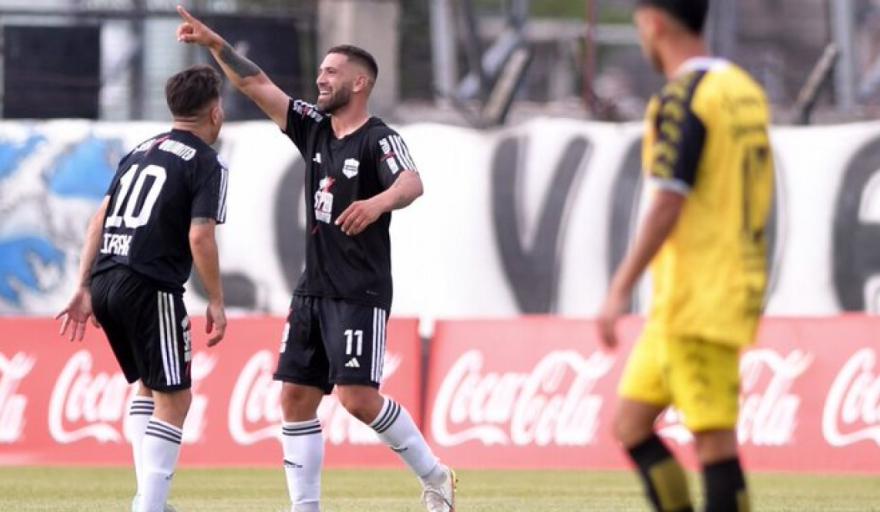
(700, 378)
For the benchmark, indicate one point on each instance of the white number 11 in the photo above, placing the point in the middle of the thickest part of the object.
(349, 339)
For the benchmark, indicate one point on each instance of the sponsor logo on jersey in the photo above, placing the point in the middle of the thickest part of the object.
(324, 200)
(353, 363)
(350, 167)
(317, 158)
(178, 148)
(307, 110)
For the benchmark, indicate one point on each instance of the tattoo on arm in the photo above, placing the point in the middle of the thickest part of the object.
(242, 66)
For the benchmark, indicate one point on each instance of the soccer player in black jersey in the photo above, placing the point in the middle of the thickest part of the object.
(357, 171)
(157, 219)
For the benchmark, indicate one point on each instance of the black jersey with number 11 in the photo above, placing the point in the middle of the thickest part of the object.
(338, 173)
(158, 189)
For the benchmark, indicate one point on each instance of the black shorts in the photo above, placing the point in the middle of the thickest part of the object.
(148, 329)
(328, 342)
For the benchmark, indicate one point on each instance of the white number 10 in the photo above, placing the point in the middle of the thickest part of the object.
(114, 220)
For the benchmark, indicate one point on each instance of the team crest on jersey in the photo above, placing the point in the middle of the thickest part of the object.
(350, 167)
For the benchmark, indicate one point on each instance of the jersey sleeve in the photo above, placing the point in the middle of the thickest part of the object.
(681, 135)
(209, 199)
(301, 118)
(393, 157)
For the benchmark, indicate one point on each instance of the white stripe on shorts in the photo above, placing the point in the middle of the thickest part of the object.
(162, 339)
(383, 320)
(174, 345)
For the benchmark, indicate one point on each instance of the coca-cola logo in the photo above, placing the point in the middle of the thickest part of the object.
(768, 409)
(86, 403)
(12, 405)
(852, 408)
(255, 406)
(552, 404)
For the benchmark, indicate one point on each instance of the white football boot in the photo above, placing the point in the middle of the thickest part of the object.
(441, 497)
(135, 505)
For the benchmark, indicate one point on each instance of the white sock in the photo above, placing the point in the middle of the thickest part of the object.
(159, 452)
(303, 447)
(396, 428)
(139, 413)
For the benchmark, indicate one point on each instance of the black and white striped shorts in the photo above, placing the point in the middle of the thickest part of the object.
(148, 329)
(329, 342)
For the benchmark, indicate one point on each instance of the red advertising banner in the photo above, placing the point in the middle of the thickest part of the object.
(540, 393)
(64, 403)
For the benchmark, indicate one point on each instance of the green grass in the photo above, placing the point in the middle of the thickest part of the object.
(201, 490)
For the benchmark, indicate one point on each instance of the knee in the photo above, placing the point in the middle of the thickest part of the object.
(715, 446)
(299, 403)
(363, 404)
(172, 407)
(630, 431)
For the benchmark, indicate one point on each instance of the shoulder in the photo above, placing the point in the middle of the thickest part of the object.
(382, 136)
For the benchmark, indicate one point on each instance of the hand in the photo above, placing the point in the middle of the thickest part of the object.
(216, 326)
(77, 314)
(194, 31)
(613, 308)
(359, 215)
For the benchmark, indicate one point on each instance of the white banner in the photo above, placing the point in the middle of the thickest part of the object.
(529, 219)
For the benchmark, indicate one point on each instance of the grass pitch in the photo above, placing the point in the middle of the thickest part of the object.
(220, 490)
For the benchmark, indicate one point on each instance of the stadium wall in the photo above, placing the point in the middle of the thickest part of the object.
(524, 220)
(533, 392)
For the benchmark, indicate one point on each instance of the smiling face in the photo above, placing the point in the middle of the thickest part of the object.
(336, 82)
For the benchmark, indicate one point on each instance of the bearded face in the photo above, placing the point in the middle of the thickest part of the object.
(333, 98)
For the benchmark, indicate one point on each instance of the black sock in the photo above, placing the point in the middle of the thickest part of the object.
(662, 475)
(725, 487)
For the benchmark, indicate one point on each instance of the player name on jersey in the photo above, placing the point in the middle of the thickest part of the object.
(116, 244)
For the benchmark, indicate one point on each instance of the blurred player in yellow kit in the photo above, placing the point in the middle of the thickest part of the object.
(707, 154)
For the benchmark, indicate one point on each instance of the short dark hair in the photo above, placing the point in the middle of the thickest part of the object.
(358, 55)
(189, 91)
(690, 13)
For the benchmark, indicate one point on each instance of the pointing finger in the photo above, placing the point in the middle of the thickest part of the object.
(184, 13)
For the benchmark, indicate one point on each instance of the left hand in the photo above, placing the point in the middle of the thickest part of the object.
(77, 314)
(359, 215)
(613, 308)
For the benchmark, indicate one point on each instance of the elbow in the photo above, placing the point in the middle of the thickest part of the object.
(417, 189)
(200, 241)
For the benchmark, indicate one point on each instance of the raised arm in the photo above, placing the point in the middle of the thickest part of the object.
(246, 76)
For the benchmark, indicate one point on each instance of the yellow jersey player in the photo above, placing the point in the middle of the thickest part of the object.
(707, 152)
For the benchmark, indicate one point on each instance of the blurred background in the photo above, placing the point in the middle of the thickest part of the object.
(458, 61)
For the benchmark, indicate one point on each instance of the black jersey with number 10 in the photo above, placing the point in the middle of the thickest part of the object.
(338, 173)
(158, 189)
